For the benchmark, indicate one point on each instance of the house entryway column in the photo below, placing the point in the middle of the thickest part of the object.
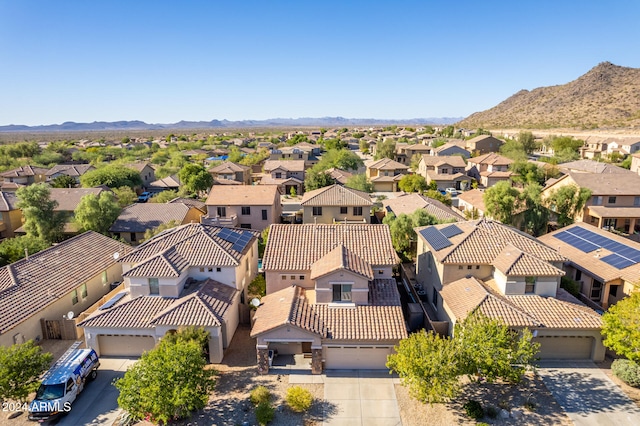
(316, 360)
(263, 358)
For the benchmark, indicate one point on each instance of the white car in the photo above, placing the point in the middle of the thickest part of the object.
(451, 191)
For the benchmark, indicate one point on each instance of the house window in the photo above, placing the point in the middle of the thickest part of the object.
(278, 175)
(469, 267)
(460, 267)
(301, 277)
(201, 269)
(612, 200)
(317, 211)
(264, 214)
(74, 297)
(610, 223)
(246, 211)
(245, 225)
(218, 269)
(597, 201)
(133, 236)
(434, 298)
(613, 290)
(636, 201)
(529, 285)
(380, 272)
(596, 290)
(445, 171)
(342, 292)
(477, 266)
(357, 211)
(343, 210)
(154, 286)
(209, 269)
(83, 291)
(578, 274)
(283, 277)
(293, 277)
(222, 211)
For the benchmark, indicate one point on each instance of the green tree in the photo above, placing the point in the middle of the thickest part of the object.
(125, 196)
(621, 327)
(364, 146)
(528, 142)
(167, 383)
(258, 287)
(315, 179)
(13, 249)
(412, 183)
(447, 132)
(195, 179)
(163, 197)
(415, 162)
(40, 219)
(402, 231)
(559, 143)
(63, 181)
(150, 233)
(360, 182)
(567, 202)
(500, 201)
(20, 368)
(437, 195)
(514, 150)
(386, 149)
(536, 215)
(527, 173)
(113, 176)
(97, 212)
(339, 158)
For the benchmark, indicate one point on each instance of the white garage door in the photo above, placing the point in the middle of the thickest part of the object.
(357, 358)
(123, 345)
(565, 347)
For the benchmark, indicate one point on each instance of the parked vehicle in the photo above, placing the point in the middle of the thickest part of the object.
(62, 384)
(451, 191)
(144, 197)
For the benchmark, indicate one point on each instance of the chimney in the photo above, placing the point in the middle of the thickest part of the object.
(26, 253)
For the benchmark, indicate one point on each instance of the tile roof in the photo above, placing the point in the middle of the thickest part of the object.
(29, 285)
(229, 167)
(245, 195)
(339, 175)
(223, 181)
(605, 183)
(69, 198)
(386, 164)
(168, 263)
(474, 197)
(139, 217)
(129, 313)
(24, 171)
(451, 177)
(451, 160)
(70, 169)
(191, 202)
(341, 258)
(380, 178)
(590, 166)
(172, 181)
(617, 212)
(8, 201)
(299, 247)
(288, 165)
(196, 243)
(491, 159)
(409, 203)
(514, 262)
(447, 146)
(336, 195)
(138, 166)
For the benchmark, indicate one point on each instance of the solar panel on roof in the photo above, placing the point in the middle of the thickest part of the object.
(587, 241)
(451, 231)
(435, 238)
(575, 241)
(617, 261)
(242, 242)
(115, 299)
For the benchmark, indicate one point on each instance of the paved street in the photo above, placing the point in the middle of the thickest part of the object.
(587, 395)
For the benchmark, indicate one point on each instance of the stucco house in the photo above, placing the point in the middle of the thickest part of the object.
(385, 174)
(245, 206)
(229, 172)
(330, 294)
(446, 172)
(192, 275)
(405, 152)
(22, 176)
(486, 266)
(409, 203)
(451, 148)
(489, 169)
(606, 266)
(169, 183)
(72, 170)
(483, 144)
(286, 174)
(37, 291)
(336, 203)
(147, 173)
(10, 215)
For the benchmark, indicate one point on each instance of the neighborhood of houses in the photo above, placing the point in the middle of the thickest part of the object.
(337, 292)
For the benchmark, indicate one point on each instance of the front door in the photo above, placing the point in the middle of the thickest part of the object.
(306, 347)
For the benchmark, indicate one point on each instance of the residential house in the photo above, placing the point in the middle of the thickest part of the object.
(614, 202)
(191, 202)
(138, 218)
(10, 215)
(37, 292)
(590, 166)
(405, 152)
(635, 163)
(22, 176)
(336, 204)
(229, 172)
(606, 266)
(385, 174)
(491, 268)
(73, 170)
(409, 203)
(472, 201)
(286, 174)
(489, 169)
(446, 172)
(449, 149)
(169, 183)
(301, 152)
(147, 173)
(245, 206)
(330, 294)
(483, 144)
(192, 275)
(338, 175)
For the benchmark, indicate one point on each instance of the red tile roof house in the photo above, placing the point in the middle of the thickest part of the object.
(492, 268)
(336, 204)
(68, 277)
(331, 295)
(190, 275)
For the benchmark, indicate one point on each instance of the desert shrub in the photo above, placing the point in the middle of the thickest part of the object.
(473, 409)
(530, 403)
(264, 413)
(260, 395)
(299, 399)
(627, 371)
(482, 424)
(491, 411)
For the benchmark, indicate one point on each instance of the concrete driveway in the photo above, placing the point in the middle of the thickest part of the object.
(587, 395)
(97, 404)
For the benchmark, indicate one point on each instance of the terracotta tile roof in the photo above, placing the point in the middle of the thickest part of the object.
(245, 195)
(24, 171)
(172, 181)
(29, 285)
(140, 217)
(513, 261)
(386, 178)
(607, 184)
(481, 241)
(386, 164)
(268, 180)
(556, 313)
(223, 181)
(196, 243)
(74, 170)
(10, 186)
(474, 197)
(128, 313)
(505, 174)
(168, 263)
(409, 203)
(336, 195)
(449, 145)
(229, 167)
(451, 160)
(299, 247)
(8, 201)
(592, 262)
(191, 203)
(339, 175)
(491, 159)
(69, 198)
(341, 258)
(288, 165)
(451, 177)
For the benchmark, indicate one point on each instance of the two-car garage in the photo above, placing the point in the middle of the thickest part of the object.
(124, 345)
(565, 347)
(356, 357)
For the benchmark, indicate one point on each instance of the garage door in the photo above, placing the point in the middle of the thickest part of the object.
(358, 358)
(564, 347)
(122, 345)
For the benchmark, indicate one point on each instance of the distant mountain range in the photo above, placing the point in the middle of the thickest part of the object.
(218, 124)
(608, 96)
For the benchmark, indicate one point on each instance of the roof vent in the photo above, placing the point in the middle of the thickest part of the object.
(468, 276)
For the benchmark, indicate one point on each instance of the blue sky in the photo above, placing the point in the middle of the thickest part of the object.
(165, 61)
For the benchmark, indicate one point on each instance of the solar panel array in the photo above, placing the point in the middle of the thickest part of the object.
(450, 231)
(588, 241)
(238, 239)
(435, 238)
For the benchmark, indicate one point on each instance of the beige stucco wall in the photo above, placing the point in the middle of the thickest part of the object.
(254, 219)
(329, 213)
(12, 220)
(359, 287)
(545, 286)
